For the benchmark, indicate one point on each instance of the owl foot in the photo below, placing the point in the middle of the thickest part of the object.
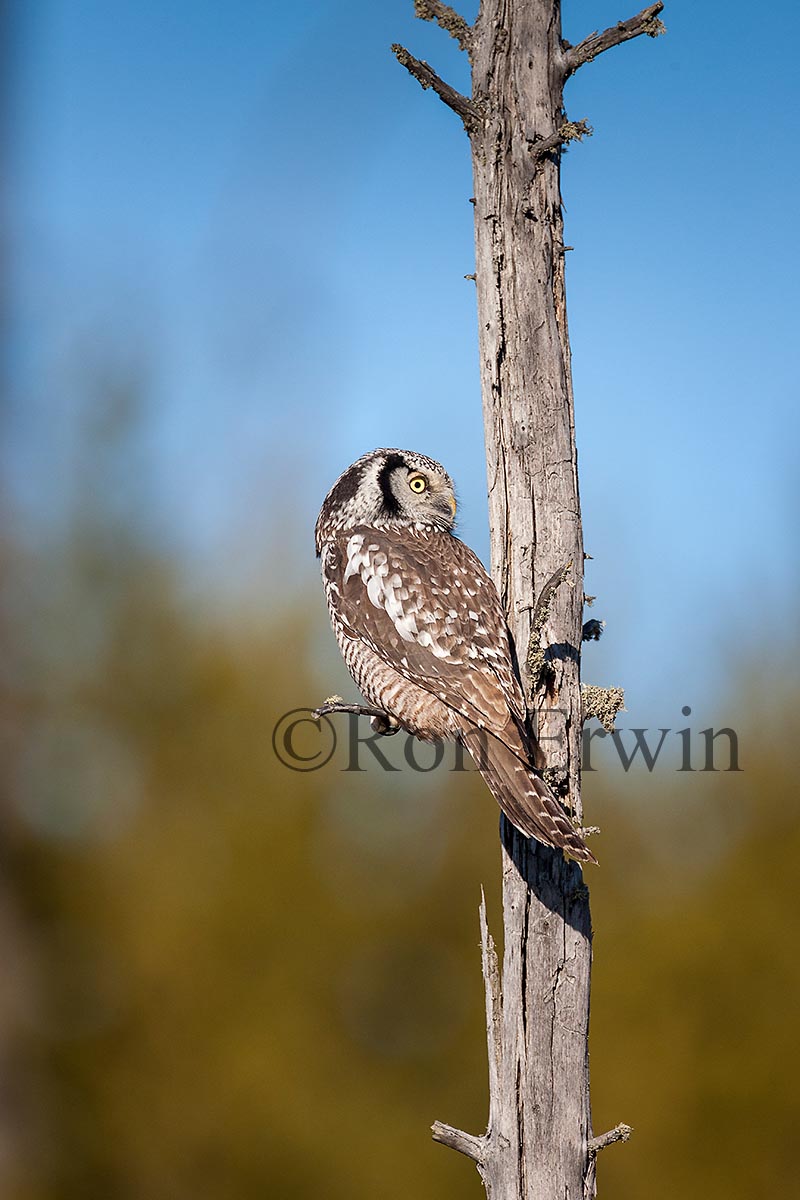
(385, 725)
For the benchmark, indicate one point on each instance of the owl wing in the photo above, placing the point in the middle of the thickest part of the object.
(422, 601)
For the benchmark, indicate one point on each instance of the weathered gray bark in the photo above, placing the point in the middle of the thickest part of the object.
(538, 1144)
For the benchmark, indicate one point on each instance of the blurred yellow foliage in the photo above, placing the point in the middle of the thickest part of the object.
(224, 978)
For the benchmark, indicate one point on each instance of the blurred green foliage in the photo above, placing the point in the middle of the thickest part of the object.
(224, 978)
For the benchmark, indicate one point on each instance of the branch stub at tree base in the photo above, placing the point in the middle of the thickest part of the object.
(620, 1133)
(466, 1143)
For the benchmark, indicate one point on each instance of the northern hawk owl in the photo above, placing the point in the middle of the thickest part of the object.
(422, 630)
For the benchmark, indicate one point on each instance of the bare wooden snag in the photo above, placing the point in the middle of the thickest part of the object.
(539, 1143)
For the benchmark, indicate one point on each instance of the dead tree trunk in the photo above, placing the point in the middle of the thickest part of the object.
(538, 1144)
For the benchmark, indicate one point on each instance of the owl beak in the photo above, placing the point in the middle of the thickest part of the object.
(452, 504)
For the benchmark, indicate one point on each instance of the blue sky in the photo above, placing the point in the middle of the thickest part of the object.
(253, 209)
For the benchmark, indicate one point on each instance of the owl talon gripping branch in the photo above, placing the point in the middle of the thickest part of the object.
(422, 630)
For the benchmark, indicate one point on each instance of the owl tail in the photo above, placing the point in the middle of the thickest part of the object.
(523, 795)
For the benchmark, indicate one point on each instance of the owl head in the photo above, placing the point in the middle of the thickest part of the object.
(386, 488)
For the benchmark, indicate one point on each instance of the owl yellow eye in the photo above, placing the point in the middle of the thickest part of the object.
(418, 484)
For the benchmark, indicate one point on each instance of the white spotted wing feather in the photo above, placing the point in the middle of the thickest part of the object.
(423, 633)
